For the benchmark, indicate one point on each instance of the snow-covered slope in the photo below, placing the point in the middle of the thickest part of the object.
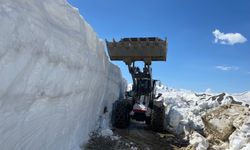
(55, 76)
(243, 97)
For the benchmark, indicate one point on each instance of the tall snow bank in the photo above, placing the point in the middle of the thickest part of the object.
(55, 76)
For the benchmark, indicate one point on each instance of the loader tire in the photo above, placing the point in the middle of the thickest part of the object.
(120, 114)
(158, 118)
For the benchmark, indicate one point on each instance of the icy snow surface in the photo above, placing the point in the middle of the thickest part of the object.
(55, 76)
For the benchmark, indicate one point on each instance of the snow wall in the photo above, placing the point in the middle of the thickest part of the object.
(55, 76)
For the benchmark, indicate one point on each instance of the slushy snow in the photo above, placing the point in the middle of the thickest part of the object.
(55, 76)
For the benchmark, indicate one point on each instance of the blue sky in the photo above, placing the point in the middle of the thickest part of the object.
(195, 60)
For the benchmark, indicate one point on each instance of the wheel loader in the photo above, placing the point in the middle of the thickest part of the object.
(140, 103)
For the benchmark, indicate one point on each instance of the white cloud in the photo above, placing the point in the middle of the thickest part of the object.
(227, 68)
(228, 38)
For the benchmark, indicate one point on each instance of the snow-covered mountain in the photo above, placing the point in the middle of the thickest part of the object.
(55, 76)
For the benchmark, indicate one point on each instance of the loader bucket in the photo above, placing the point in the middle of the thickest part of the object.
(138, 49)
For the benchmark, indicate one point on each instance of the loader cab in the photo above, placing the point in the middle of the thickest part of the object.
(144, 86)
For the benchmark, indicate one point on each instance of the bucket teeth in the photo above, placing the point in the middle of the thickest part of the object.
(145, 49)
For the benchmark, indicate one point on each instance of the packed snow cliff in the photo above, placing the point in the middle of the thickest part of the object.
(55, 76)
(206, 118)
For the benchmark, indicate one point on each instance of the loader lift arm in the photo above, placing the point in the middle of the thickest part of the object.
(142, 80)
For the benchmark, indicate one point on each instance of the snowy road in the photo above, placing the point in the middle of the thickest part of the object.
(139, 137)
(144, 138)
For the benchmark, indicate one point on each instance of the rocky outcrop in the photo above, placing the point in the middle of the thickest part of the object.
(221, 122)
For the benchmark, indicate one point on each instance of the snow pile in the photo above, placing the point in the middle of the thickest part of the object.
(106, 132)
(198, 142)
(55, 76)
(185, 110)
(185, 107)
(240, 139)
